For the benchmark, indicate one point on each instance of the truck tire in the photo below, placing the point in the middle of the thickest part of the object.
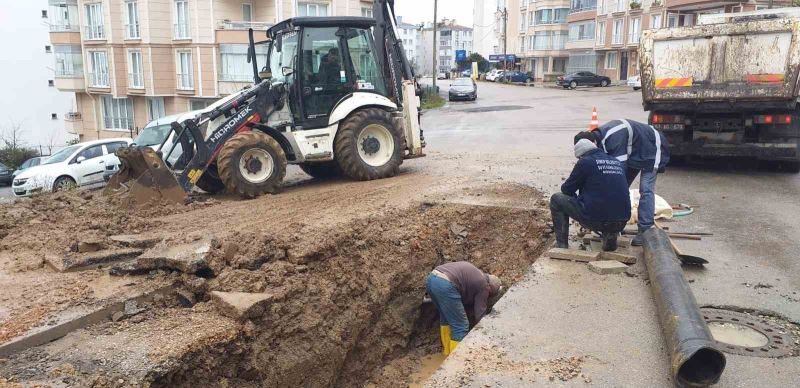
(793, 167)
(369, 145)
(210, 181)
(321, 170)
(251, 164)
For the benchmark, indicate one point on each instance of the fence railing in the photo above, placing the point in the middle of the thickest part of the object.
(132, 31)
(181, 31)
(72, 116)
(69, 72)
(136, 80)
(185, 82)
(98, 80)
(95, 32)
(64, 28)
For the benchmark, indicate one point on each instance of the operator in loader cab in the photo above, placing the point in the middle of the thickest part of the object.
(595, 195)
(455, 288)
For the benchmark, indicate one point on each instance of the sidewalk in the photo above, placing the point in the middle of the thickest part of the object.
(563, 310)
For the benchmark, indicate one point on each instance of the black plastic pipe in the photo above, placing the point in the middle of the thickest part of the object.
(695, 362)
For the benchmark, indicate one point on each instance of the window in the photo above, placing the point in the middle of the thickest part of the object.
(581, 31)
(601, 7)
(135, 70)
(44, 14)
(233, 62)
(672, 20)
(616, 34)
(601, 33)
(184, 66)
(198, 103)
(247, 12)
(531, 18)
(181, 19)
(91, 152)
(53, 116)
(131, 19)
(312, 9)
(99, 66)
(48, 49)
(522, 22)
(582, 5)
(63, 15)
(94, 21)
(285, 57)
(367, 74)
(621, 4)
(560, 15)
(544, 16)
(51, 83)
(117, 113)
(69, 61)
(366, 12)
(549, 40)
(559, 65)
(113, 147)
(633, 30)
(655, 21)
(155, 108)
(611, 60)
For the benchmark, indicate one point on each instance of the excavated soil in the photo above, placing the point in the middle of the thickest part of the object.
(347, 307)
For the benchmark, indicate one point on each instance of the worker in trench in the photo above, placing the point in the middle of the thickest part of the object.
(455, 288)
(595, 195)
(644, 151)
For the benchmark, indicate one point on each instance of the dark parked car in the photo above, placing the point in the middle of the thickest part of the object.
(515, 76)
(463, 89)
(5, 175)
(583, 78)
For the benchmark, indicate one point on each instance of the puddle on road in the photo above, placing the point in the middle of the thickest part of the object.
(498, 108)
(737, 335)
(429, 366)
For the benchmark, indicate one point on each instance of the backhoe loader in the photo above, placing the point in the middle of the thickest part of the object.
(336, 96)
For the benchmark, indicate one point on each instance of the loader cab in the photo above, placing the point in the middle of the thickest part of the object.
(323, 61)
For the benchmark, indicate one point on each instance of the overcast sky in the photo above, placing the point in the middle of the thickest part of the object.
(417, 11)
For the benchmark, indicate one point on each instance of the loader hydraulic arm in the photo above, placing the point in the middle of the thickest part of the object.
(392, 56)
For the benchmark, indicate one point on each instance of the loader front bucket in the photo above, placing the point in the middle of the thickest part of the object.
(143, 177)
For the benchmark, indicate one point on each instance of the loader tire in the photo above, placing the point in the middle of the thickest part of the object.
(322, 170)
(369, 145)
(251, 164)
(210, 181)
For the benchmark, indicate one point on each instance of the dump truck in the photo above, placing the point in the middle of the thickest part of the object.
(727, 87)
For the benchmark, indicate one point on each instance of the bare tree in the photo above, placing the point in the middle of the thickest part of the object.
(51, 140)
(11, 136)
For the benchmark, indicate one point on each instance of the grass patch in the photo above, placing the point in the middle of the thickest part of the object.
(432, 101)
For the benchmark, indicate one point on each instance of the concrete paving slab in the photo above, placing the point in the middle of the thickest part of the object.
(187, 258)
(241, 305)
(82, 261)
(606, 267)
(572, 254)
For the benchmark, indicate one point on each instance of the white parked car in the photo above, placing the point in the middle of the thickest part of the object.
(494, 75)
(77, 165)
(635, 82)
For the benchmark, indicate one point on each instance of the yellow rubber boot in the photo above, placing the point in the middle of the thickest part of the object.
(452, 346)
(444, 333)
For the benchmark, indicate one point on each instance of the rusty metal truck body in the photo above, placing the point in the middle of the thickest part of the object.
(728, 89)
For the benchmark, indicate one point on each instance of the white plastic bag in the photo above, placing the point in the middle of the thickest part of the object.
(663, 208)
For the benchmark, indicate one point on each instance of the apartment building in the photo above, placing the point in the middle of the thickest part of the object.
(450, 37)
(487, 26)
(130, 61)
(608, 31)
(411, 35)
(542, 37)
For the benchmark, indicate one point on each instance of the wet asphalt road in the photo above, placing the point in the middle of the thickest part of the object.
(526, 132)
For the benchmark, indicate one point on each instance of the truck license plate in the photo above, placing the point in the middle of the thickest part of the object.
(670, 127)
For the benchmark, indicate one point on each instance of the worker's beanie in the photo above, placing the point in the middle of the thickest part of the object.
(588, 135)
(494, 283)
(583, 146)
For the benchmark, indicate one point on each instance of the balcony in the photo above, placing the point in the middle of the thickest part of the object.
(577, 6)
(65, 28)
(73, 122)
(98, 80)
(181, 31)
(69, 84)
(95, 32)
(242, 26)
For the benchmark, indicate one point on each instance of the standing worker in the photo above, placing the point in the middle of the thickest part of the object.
(595, 195)
(645, 152)
(454, 288)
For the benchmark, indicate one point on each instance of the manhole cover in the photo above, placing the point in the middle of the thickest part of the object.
(498, 108)
(748, 335)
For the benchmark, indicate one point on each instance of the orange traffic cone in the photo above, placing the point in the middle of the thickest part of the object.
(594, 123)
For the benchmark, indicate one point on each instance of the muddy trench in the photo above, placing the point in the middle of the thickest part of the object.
(349, 301)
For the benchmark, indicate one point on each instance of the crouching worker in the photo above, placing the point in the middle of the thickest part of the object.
(602, 203)
(454, 288)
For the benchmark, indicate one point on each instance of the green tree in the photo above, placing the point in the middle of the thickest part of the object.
(12, 149)
(483, 64)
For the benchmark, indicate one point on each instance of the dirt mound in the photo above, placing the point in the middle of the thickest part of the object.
(51, 223)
